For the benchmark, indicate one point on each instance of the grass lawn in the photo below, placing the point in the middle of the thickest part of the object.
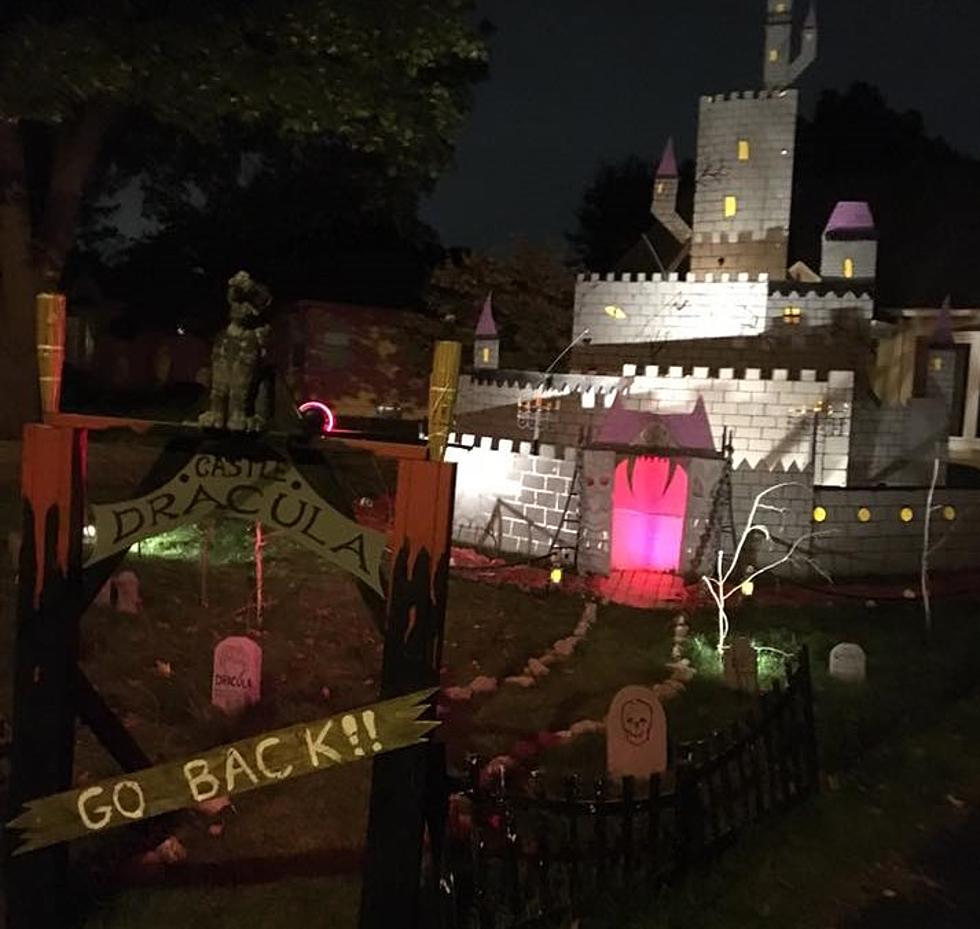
(843, 849)
(155, 669)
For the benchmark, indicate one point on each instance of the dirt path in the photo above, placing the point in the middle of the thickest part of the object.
(947, 873)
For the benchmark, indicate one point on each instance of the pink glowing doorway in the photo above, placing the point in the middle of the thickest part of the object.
(648, 515)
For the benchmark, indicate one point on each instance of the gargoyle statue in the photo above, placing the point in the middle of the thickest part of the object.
(241, 382)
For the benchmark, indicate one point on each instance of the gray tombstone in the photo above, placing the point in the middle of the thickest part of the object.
(636, 734)
(848, 663)
(237, 679)
(741, 665)
(127, 586)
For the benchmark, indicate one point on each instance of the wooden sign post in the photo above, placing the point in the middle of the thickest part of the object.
(408, 787)
(45, 659)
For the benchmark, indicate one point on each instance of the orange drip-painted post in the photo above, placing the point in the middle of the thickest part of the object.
(45, 660)
(408, 787)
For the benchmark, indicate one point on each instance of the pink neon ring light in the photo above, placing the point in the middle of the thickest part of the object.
(328, 418)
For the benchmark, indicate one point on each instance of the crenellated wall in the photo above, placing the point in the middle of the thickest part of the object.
(820, 308)
(754, 238)
(652, 308)
(518, 496)
(659, 307)
(774, 421)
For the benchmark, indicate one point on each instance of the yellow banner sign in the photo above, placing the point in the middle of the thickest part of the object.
(272, 492)
(231, 769)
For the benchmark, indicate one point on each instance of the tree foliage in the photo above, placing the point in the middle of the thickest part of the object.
(923, 195)
(615, 210)
(533, 293)
(93, 92)
(322, 222)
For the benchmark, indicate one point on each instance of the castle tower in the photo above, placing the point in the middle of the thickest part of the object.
(486, 344)
(746, 146)
(664, 204)
(850, 243)
(744, 187)
(780, 68)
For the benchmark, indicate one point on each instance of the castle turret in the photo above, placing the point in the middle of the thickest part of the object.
(664, 203)
(781, 69)
(850, 243)
(486, 344)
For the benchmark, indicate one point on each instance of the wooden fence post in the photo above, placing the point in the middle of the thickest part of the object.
(401, 795)
(45, 660)
(407, 787)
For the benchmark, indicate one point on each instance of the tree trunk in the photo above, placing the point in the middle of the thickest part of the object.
(30, 263)
(20, 400)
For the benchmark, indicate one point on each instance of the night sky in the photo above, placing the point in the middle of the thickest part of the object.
(575, 82)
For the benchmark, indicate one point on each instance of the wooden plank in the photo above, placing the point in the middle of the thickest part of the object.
(402, 801)
(45, 660)
(415, 451)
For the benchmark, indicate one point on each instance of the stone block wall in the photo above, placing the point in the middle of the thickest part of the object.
(863, 252)
(886, 544)
(820, 309)
(669, 308)
(782, 346)
(531, 490)
(762, 184)
(660, 307)
(771, 419)
(896, 445)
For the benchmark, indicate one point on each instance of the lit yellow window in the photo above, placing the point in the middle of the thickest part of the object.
(906, 515)
(864, 515)
(731, 206)
(819, 514)
(780, 7)
(774, 54)
(660, 187)
(848, 267)
(936, 362)
(486, 355)
(792, 315)
(743, 149)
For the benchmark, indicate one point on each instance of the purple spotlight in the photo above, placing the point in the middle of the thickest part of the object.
(323, 410)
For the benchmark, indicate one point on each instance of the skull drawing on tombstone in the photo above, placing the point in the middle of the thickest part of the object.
(636, 718)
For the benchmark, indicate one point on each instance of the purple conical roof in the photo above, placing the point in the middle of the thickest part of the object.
(850, 219)
(486, 328)
(668, 161)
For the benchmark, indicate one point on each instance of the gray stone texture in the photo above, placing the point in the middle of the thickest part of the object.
(762, 184)
(863, 252)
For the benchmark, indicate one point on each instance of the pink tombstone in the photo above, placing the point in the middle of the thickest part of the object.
(636, 734)
(237, 680)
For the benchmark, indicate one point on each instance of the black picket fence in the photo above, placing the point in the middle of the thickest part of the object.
(528, 858)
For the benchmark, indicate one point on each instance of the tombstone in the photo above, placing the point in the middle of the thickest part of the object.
(741, 665)
(636, 734)
(848, 663)
(106, 593)
(237, 679)
(127, 587)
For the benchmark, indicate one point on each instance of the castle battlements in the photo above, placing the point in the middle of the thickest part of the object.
(692, 277)
(707, 99)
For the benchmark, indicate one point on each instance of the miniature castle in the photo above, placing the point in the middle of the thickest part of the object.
(707, 368)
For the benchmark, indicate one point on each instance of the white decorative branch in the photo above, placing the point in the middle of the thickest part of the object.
(719, 587)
